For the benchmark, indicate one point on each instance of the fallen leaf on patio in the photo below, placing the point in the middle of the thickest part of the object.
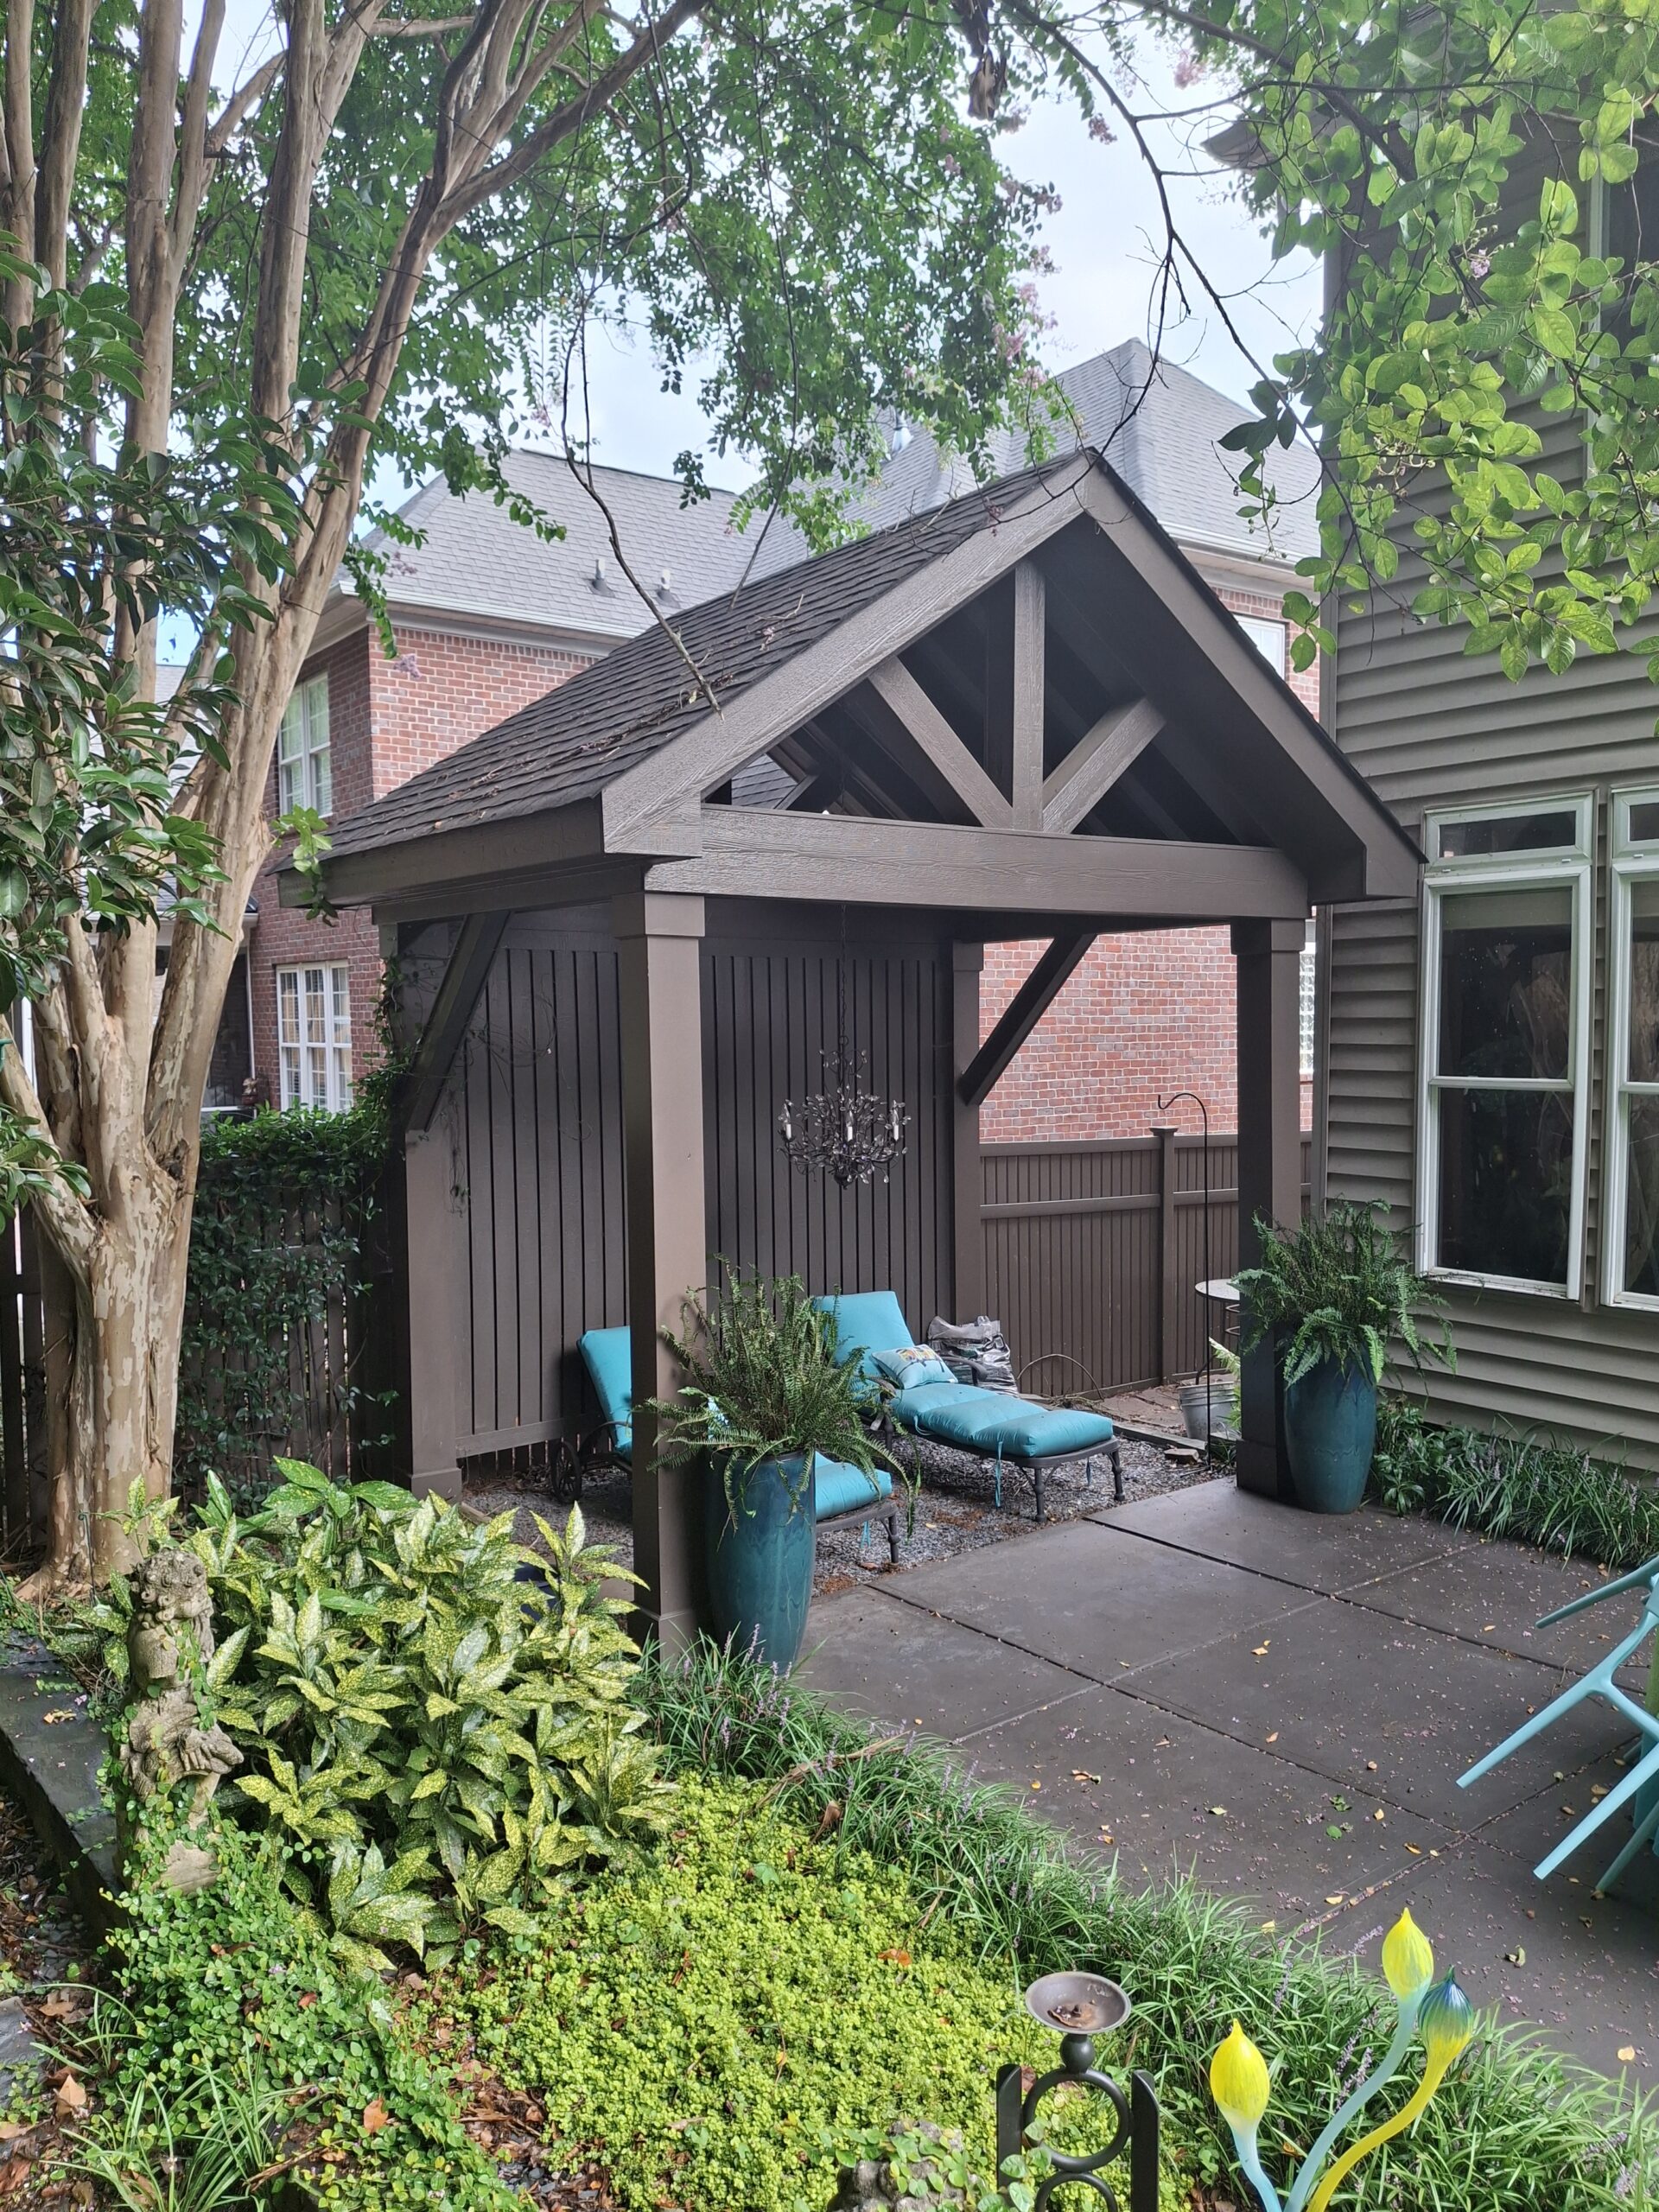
(1219, 1811)
(1106, 1836)
(60, 2007)
(1371, 1766)
(1516, 1958)
(1416, 1849)
(1335, 1900)
(1379, 1814)
(375, 2117)
(1486, 1627)
(14, 2174)
(1626, 2053)
(1332, 1829)
(1162, 1744)
(50, 1718)
(12, 2129)
(1036, 1785)
(1081, 1774)
(897, 1956)
(71, 2097)
(1268, 1927)
(1260, 1650)
(1274, 1737)
(1597, 1790)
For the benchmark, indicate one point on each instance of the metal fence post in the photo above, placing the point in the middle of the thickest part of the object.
(1168, 1258)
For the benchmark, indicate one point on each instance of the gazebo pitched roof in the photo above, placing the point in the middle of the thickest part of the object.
(1026, 700)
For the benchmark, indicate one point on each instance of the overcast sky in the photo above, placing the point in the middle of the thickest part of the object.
(1105, 241)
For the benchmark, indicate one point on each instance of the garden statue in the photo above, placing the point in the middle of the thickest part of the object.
(1238, 2073)
(170, 1738)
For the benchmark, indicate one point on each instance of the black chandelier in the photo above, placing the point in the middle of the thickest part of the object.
(844, 1128)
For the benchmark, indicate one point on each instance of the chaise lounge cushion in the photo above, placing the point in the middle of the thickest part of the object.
(606, 1355)
(838, 1488)
(867, 1322)
(991, 1422)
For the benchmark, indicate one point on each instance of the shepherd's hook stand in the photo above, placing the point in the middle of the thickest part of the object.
(1081, 2006)
(1164, 1105)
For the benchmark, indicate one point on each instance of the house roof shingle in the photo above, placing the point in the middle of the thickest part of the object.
(567, 745)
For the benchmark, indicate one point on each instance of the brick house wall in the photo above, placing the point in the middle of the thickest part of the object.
(1143, 1015)
(388, 719)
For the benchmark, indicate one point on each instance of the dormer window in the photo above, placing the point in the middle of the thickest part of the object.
(304, 766)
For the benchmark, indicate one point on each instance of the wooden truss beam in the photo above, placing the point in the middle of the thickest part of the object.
(940, 749)
(959, 870)
(440, 1039)
(1088, 772)
(1021, 1015)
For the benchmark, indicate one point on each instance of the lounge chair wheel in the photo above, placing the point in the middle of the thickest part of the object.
(565, 1475)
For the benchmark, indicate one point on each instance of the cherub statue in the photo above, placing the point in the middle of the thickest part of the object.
(171, 1626)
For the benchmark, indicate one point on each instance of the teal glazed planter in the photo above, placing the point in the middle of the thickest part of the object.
(1330, 1435)
(759, 1561)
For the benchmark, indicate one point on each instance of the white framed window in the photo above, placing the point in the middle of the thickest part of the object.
(1308, 1001)
(1271, 639)
(314, 1036)
(1503, 1101)
(1629, 1218)
(304, 767)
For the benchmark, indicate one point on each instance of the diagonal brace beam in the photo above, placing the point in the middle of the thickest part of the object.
(439, 1039)
(1096, 761)
(904, 699)
(1021, 1015)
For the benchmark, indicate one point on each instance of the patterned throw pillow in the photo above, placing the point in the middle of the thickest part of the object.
(910, 1365)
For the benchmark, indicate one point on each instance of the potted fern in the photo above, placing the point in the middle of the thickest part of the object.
(1334, 1293)
(762, 1401)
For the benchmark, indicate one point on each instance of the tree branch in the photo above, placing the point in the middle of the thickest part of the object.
(245, 98)
(65, 1218)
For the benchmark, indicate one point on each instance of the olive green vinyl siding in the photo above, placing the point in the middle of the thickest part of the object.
(1431, 726)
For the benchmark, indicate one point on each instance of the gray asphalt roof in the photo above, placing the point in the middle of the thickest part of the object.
(1158, 425)
(569, 745)
(478, 560)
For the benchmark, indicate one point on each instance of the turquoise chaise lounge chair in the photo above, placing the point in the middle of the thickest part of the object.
(842, 1496)
(1014, 1432)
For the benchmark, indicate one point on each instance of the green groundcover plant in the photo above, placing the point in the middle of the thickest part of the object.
(434, 1719)
(1515, 2128)
(719, 2028)
(1528, 1488)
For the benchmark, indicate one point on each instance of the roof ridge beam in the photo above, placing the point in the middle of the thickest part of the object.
(1095, 762)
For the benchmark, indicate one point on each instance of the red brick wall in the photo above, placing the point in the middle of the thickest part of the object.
(387, 720)
(1143, 1016)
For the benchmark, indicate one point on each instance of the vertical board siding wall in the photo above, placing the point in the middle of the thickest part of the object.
(533, 1117)
(1077, 1258)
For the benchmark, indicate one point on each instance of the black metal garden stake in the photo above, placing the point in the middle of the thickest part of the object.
(1081, 2006)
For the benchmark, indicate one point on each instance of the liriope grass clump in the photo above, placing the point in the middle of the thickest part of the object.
(1516, 2129)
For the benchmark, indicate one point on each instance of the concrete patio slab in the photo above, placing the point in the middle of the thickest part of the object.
(1170, 1797)
(904, 1667)
(1314, 1551)
(1549, 1954)
(1497, 1594)
(1302, 1675)
(1080, 1598)
(1377, 1702)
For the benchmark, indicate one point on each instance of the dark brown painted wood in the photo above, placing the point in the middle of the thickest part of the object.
(1106, 752)
(967, 1236)
(1027, 696)
(1021, 1014)
(444, 1028)
(932, 738)
(1269, 958)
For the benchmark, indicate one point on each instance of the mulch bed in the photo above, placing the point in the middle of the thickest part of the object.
(957, 1511)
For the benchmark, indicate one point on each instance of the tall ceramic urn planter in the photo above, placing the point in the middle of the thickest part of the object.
(759, 1552)
(1330, 1434)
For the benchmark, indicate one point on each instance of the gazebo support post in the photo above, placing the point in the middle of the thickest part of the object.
(1268, 955)
(659, 940)
(968, 1230)
(440, 1326)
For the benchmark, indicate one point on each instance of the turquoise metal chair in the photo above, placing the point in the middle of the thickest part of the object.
(965, 1416)
(1643, 1776)
(843, 1496)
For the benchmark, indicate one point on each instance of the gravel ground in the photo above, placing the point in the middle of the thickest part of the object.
(957, 1509)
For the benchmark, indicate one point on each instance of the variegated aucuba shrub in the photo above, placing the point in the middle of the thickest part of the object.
(435, 1720)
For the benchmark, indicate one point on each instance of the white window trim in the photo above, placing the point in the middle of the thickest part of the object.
(337, 1078)
(308, 710)
(1631, 864)
(1517, 871)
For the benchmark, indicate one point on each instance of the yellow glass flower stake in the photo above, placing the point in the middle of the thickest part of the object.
(1408, 1965)
(1238, 2074)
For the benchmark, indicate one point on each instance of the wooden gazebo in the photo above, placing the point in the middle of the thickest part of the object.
(1022, 714)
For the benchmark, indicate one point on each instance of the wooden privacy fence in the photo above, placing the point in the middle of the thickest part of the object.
(1093, 1253)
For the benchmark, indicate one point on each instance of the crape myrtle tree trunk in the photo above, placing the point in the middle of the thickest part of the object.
(224, 297)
